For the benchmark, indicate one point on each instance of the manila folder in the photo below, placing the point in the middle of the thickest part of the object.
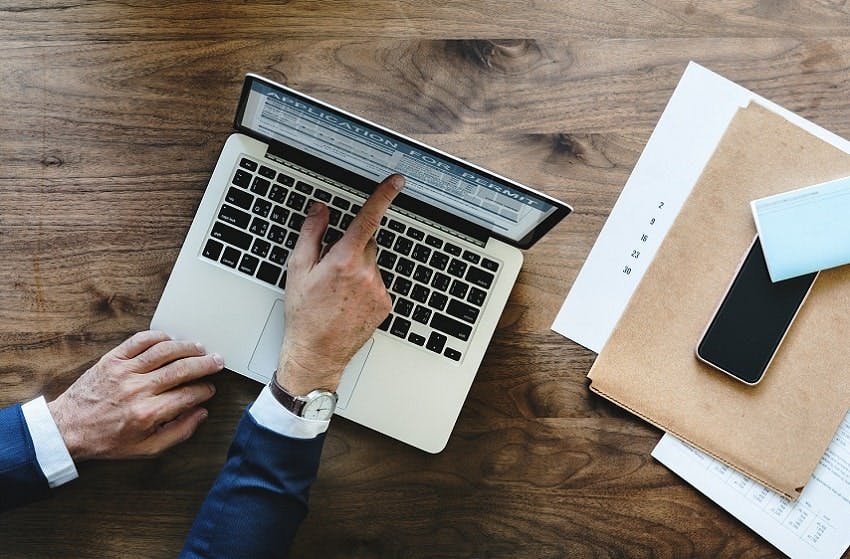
(777, 430)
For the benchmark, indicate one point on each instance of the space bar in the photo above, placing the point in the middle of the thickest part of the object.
(451, 326)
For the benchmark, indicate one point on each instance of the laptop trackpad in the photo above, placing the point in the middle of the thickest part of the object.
(264, 360)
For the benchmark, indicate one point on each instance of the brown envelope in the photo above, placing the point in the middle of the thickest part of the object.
(777, 430)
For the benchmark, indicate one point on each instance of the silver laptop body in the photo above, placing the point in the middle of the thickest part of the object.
(449, 254)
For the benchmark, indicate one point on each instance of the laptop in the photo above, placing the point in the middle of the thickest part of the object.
(449, 254)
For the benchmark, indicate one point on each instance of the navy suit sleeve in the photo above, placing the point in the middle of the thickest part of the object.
(260, 497)
(21, 478)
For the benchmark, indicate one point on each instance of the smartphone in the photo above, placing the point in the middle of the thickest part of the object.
(751, 321)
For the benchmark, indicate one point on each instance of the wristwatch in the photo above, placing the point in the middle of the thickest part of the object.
(318, 405)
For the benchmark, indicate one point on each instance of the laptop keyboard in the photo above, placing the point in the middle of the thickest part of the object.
(437, 287)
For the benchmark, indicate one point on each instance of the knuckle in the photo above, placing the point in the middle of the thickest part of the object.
(142, 417)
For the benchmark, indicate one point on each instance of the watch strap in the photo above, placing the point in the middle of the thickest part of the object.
(289, 401)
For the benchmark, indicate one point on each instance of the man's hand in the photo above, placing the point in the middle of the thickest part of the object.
(333, 304)
(138, 400)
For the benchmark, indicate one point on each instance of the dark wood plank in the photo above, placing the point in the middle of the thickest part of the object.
(105, 149)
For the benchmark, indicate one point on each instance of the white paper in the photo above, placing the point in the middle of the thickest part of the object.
(815, 526)
(697, 115)
(690, 128)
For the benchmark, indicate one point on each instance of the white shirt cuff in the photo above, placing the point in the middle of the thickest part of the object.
(269, 413)
(50, 450)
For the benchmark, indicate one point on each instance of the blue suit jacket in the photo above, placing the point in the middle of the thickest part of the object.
(252, 510)
(259, 498)
(21, 478)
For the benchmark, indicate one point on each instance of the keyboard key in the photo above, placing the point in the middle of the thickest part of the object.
(479, 277)
(421, 253)
(423, 274)
(334, 216)
(385, 325)
(212, 249)
(450, 326)
(403, 245)
(454, 250)
(277, 234)
(322, 195)
(296, 221)
(433, 241)
(402, 286)
(278, 193)
(248, 264)
(261, 248)
(355, 209)
(282, 283)
(301, 186)
(471, 257)
(396, 226)
(436, 341)
(259, 227)
(476, 296)
(415, 233)
(296, 201)
(420, 293)
(457, 268)
(231, 236)
(246, 163)
(280, 215)
(341, 203)
(241, 178)
(439, 260)
(386, 259)
(234, 216)
(452, 354)
(278, 255)
(267, 172)
(462, 311)
(262, 207)
(403, 307)
(268, 273)
(437, 300)
(415, 338)
(421, 314)
(385, 238)
(345, 222)
(291, 240)
(400, 327)
(285, 179)
(239, 198)
(459, 289)
(260, 186)
(490, 264)
(230, 257)
(441, 281)
(404, 266)
(332, 236)
(387, 277)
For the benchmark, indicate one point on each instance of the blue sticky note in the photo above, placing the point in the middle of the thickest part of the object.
(805, 230)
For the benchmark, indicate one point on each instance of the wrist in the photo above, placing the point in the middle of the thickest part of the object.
(64, 422)
(300, 380)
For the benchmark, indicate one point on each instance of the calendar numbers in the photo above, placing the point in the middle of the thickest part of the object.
(644, 237)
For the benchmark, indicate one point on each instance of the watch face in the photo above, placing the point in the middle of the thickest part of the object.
(321, 407)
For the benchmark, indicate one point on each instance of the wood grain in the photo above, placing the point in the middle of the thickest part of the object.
(112, 115)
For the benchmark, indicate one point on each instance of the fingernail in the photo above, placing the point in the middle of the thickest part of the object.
(314, 209)
(212, 388)
(200, 347)
(397, 181)
(204, 414)
(218, 359)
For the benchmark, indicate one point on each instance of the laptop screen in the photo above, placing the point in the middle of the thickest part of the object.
(508, 210)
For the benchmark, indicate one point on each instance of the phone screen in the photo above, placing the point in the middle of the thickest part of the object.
(750, 323)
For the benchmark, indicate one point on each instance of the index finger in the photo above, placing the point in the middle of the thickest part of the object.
(368, 219)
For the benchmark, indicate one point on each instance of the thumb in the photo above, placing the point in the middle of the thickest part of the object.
(306, 251)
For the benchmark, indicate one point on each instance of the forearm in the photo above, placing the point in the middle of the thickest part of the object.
(260, 497)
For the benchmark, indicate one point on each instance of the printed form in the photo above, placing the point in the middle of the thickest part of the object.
(691, 126)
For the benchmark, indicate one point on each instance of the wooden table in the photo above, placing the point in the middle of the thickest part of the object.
(111, 118)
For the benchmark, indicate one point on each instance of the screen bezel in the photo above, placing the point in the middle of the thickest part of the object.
(443, 217)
